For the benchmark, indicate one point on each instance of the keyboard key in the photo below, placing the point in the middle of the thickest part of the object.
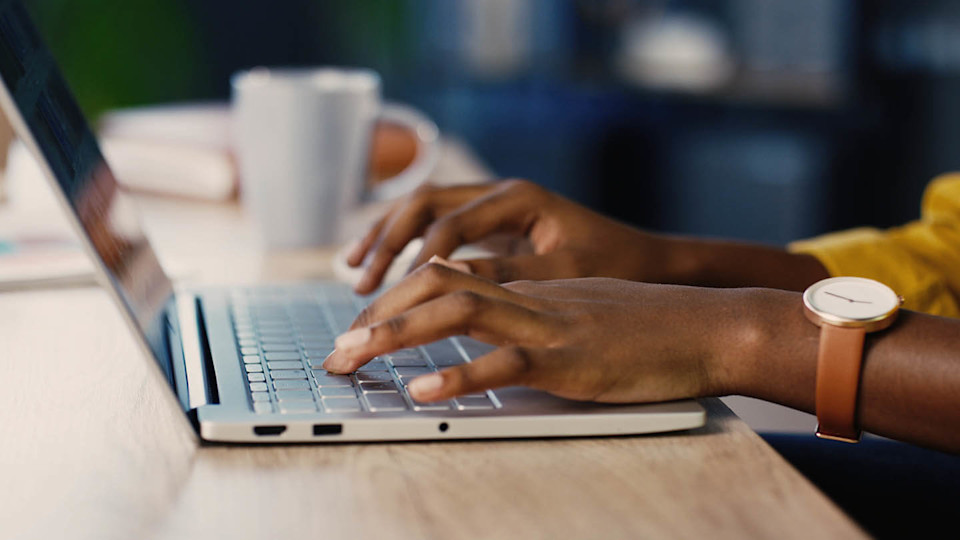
(294, 395)
(379, 386)
(370, 376)
(327, 379)
(406, 353)
(465, 403)
(291, 407)
(292, 384)
(253, 368)
(373, 365)
(316, 363)
(262, 407)
(249, 350)
(260, 396)
(288, 374)
(281, 347)
(315, 333)
(443, 353)
(338, 391)
(282, 356)
(411, 372)
(280, 336)
(317, 350)
(258, 387)
(474, 348)
(342, 318)
(286, 364)
(278, 324)
(404, 359)
(385, 402)
(341, 404)
(247, 342)
(256, 377)
(277, 340)
(251, 359)
(438, 406)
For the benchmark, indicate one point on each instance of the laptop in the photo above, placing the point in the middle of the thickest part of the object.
(243, 363)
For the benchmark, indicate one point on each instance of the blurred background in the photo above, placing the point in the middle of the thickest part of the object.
(766, 120)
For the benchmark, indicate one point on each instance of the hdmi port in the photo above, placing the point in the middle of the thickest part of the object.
(269, 430)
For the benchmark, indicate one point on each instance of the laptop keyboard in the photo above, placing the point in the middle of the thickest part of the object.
(283, 339)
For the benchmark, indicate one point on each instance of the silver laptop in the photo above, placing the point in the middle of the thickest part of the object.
(244, 363)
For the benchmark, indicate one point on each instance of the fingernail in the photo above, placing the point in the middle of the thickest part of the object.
(353, 251)
(353, 338)
(332, 363)
(425, 385)
(327, 359)
(459, 266)
(361, 286)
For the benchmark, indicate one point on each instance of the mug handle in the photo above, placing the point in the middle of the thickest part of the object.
(427, 135)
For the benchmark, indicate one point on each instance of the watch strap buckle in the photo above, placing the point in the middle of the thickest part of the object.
(837, 437)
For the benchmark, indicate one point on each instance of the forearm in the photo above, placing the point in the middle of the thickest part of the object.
(718, 263)
(910, 383)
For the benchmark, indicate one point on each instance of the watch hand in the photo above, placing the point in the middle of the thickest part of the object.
(851, 300)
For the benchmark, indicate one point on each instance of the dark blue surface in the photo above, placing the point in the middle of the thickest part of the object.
(893, 489)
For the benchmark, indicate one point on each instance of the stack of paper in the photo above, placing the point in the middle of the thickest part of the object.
(179, 150)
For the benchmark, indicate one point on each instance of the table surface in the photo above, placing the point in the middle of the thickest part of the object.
(92, 445)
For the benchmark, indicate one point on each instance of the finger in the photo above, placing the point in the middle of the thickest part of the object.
(459, 266)
(506, 366)
(507, 209)
(555, 265)
(430, 281)
(359, 251)
(460, 313)
(408, 222)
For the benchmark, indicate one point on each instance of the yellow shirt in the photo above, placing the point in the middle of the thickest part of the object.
(920, 260)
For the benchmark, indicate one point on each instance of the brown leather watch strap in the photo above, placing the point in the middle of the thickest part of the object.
(838, 381)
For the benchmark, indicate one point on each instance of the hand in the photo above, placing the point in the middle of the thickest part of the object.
(557, 238)
(592, 339)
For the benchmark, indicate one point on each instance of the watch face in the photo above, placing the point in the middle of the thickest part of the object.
(851, 299)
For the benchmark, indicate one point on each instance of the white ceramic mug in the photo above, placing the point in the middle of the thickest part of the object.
(302, 137)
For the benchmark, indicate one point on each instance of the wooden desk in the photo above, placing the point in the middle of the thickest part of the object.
(91, 447)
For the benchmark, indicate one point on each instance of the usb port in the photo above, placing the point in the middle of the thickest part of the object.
(327, 429)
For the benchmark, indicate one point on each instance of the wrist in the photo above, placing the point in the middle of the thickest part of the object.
(716, 263)
(768, 349)
(666, 259)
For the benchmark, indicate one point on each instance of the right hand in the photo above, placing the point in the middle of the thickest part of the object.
(558, 238)
(593, 339)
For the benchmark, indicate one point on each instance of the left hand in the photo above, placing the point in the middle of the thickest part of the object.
(595, 339)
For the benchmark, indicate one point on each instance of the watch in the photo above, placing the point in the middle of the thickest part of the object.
(845, 309)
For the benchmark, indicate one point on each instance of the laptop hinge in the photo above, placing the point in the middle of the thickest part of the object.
(197, 359)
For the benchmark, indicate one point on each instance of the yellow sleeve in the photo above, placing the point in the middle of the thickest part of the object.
(920, 260)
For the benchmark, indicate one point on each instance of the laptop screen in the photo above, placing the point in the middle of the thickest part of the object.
(68, 148)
